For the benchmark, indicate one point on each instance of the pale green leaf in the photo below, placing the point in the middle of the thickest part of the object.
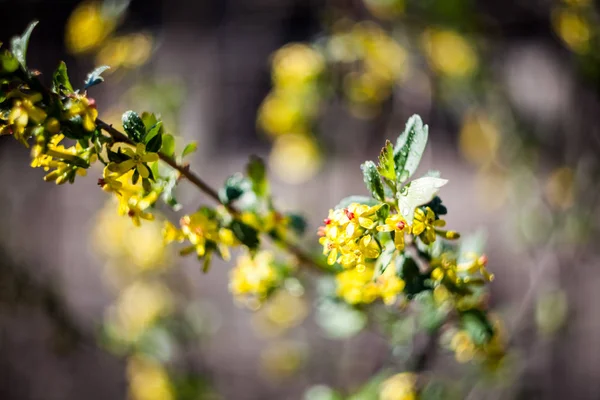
(19, 45)
(410, 147)
(372, 180)
(416, 193)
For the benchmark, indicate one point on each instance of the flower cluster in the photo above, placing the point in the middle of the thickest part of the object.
(392, 246)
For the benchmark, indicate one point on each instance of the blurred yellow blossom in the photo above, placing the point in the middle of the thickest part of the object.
(560, 188)
(425, 225)
(284, 311)
(87, 27)
(282, 359)
(573, 29)
(139, 305)
(296, 65)
(127, 51)
(148, 380)
(401, 386)
(450, 53)
(254, 276)
(295, 158)
(479, 138)
(385, 9)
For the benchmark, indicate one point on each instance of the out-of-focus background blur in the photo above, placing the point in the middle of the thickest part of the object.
(510, 90)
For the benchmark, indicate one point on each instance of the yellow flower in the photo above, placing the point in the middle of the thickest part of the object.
(474, 265)
(254, 275)
(390, 285)
(345, 236)
(136, 161)
(110, 181)
(199, 228)
(79, 105)
(425, 224)
(172, 234)
(135, 207)
(463, 346)
(399, 387)
(397, 224)
(23, 112)
(356, 285)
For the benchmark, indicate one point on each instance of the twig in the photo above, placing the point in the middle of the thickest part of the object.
(204, 187)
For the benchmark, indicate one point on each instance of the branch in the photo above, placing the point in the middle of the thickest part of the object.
(304, 257)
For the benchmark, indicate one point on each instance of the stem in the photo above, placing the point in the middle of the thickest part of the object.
(304, 257)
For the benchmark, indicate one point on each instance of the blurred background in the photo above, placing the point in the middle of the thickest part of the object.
(92, 308)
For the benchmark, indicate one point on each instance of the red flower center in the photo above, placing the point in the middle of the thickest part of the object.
(400, 225)
(349, 213)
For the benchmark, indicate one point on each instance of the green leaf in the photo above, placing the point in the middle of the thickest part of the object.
(477, 326)
(437, 207)
(297, 223)
(168, 145)
(413, 279)
(154, 138)
(117, 157)
(387, 167)
(134, 126)
(431, 315)
(149, 120)
(235, 186)
(19, 45)
(257, 173)
(168, 194)
(60, 81)
(153, 131)
(95, 77)
(245, 234)
(135, 177)
(384, 260)
(409, 148)
(416, 193)
(189, 149)
(346, 201)
(372, 180)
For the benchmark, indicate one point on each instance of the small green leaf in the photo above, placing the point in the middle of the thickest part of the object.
(409, 148)
(116, 157)
(385, 258)
(346, 201)
(189, 149)
(413, 279)
(153, 131)
(387, 167)
(245, 234)
(436, 205)
(19, 45)
(235, 186)
(372, 180)
(134, 126)
(257, 173)
(135, 177)
(416, 193)
(168, 145)
(149, 120)
(297, 223)
(60, 81)
(154, 138)
(477, 326)
(95, 77)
